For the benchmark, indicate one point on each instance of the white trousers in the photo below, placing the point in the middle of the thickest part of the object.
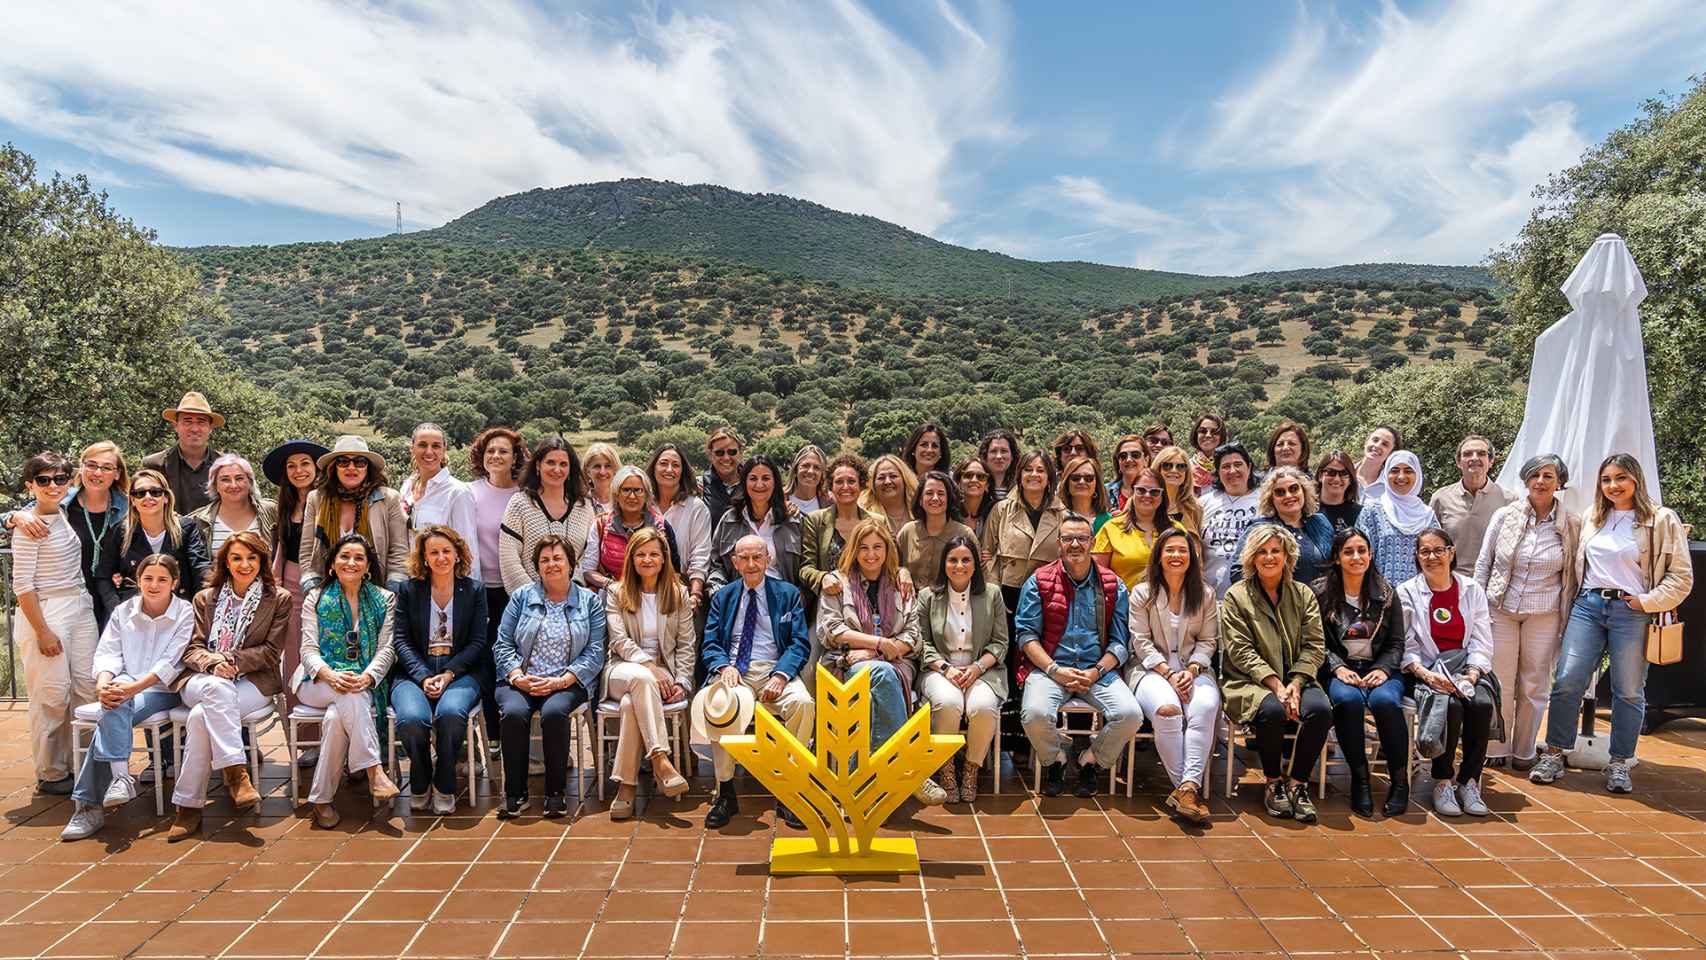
(635, 689)
(1525, 650)
(59, 684)
(347, 732)
(1185, 739)
(796, 707)
(213, 734)
(977, 705)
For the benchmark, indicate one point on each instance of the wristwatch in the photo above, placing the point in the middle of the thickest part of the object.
(1049, 670)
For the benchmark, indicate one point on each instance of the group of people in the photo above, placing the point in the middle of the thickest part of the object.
(1184, 583)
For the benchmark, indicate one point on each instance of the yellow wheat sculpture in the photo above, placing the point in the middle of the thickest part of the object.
(843, 785)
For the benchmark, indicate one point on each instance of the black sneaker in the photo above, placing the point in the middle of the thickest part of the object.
(512, 807)
(723, 808)
(787, 816)
(56, 788)
(557, 805)
(1089, 780)
(1054, 779)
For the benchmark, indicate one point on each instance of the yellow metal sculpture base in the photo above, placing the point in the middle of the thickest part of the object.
(791, 856)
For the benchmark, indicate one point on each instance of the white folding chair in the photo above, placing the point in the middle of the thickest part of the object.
(256, 722)
(609, 719)
(476, 746)
(85, 718)
(1073, 707)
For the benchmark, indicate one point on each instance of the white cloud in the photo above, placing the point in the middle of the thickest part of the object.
(341, 108)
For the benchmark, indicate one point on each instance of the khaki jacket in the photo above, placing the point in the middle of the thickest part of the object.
(266, 518)
(390, 538)
(1150, 643)
(677, 640)
(988, 632)
(817, 537)
(1015, 549)
(256, 655)
(1261, 640)
(1663, 559)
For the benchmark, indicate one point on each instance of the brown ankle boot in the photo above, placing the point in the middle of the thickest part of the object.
(950, 781)
(237, 783)
(1187, 804)
(968, 782)
(186, 825)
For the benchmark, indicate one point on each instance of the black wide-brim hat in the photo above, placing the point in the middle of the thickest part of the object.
(273, 465)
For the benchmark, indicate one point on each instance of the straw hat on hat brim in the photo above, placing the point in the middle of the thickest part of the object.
(193, 402)
(350, 445)
(718, 711)
(273, 465)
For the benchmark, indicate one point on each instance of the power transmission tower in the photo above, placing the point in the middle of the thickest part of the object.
(399, 216)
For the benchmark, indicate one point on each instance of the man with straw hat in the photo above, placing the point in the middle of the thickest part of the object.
(185, 463)
(756, 645)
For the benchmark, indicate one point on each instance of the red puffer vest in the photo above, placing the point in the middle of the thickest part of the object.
(1055, 591)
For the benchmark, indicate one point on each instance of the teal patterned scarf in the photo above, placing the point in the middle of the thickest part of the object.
(334, 613)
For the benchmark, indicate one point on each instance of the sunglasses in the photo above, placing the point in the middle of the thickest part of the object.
(352, 646)
(973, 475)
(1083, 478)
(342, 462)
(1124, 455)
(725, 452)
(147, 493)
(1336, 472)
(1288, 491)
(52, 479)
(1207, 432)
(1146, 492)
(1172, 468)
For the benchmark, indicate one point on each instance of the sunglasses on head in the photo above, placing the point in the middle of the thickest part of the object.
(147, 493)
(52, 479)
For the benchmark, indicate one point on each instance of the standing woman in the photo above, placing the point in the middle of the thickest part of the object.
(293, 467)
(1287, 497)
(1021, 533)
(1528, 568)
(926, 450)
(1207, 434)
(1173, 466)
(1336, 481)
(1075, 442)
(602, 461)
(1175, 628)
(1131, 457)
(552, 502)
(999, 452)
(972, 480)
(652, 655)
(441, 649)
(95, 507)
(720, 483)
(1363, 672)
(348, 632)
(57, 634)
(961, 625)
(432, 495)
(1082, 491)
(685, 511)
(497, 458)
(1449, 638)
(153, 526)
(761, 510)
(607, 543)
(824, 533)
(1371, 469)
(893, 486)
(231, 670)
(1395, 516)
(805, 480)
(235, 503)
(936, 520)
(1271, 634)
(351, 497)
(1634, 560)
(1124, 544)
(1288, 446)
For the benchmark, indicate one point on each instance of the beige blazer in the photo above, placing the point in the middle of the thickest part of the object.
(1150, 639)
(1016, 550)
(677, 640)
(390, 538)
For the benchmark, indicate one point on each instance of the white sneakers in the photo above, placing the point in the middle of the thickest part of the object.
(1452, 800)
(443, 803)
(122, 791)
(1469, 798)
(1445, 799)
(86, 821)
(419, 801)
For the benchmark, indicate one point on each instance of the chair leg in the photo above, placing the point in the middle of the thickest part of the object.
(159, 776)
(290, 748)
(995, 761)
(598, 754)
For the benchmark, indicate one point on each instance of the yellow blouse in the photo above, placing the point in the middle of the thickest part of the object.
(1128, 551)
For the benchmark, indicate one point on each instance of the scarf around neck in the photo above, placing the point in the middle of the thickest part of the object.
(336, 618)
(233, 614)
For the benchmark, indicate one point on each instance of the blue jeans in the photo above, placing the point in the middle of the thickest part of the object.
(421, 723)
(113, 741)
(1040, 704)
(1597, 623)
(1385, 703)
(888, 701)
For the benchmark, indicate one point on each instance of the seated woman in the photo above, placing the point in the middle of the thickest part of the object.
(153, 526)
(1175, 627)
(961, 625)
(230, 670)
(549, 655)
(653, 650)
(1364, 625)
(136, 660)
(1394, 515)
(1125, 542)
(348, 631)
(1270, 628)
(936, 520)
(441, 648)
(632, 510)
(1449, 637)
(868, 626)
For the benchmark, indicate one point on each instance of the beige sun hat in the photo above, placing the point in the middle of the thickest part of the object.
(193, 402)
(722, 711)
(350, 445)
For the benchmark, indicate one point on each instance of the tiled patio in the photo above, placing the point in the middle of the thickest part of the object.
(1557, 872)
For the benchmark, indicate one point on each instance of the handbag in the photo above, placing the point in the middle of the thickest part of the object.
(1664, 639)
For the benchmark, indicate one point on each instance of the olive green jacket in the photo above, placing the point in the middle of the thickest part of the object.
(1259, 640)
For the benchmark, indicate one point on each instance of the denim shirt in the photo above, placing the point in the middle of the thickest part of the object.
(524, 620)
(1080, 646)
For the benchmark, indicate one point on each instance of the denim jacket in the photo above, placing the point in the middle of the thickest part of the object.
(525, 616)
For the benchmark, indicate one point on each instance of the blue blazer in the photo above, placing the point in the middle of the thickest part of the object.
(787, 625)
(414, 620)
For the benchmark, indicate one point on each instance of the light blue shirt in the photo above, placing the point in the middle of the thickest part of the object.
(1079, 647)
(764, 649)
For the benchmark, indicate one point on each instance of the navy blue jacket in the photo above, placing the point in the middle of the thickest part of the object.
(414, 624)
(787, 625)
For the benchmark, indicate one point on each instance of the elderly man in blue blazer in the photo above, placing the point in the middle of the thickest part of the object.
(756, 644)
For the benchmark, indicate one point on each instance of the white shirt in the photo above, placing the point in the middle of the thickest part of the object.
(437, 618)
(764, 648)
(649, 627)
(154, 542)
(134, 644)
(765, 531)
(450, 502)
(806, 506)
(691, 521)
(959, 627)
(1614, 560)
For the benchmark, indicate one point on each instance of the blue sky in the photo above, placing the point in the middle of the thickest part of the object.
(1208, 138)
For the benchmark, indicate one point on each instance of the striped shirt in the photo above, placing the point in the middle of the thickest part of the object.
(51, 564)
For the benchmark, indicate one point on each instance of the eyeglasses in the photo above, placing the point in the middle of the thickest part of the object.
(725, 452)
(94, 467)
(52, 479)
(1083, 478)
(1125, 455)
(1430, 553)
(1336, 472)
(631, 492)
(1074, 538)
(1172, 468)
(342, 462)
(147, 493)
(1148, 493)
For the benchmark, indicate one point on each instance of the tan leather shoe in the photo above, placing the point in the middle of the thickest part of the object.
(380, 787)
(242, 790)
(186, 825)
(326, 816)
(1187, 804)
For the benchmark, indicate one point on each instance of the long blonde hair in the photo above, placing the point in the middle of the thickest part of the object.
(169, 513)
(630, 588)
(1189, 507)
(850, 554)
(908, 484)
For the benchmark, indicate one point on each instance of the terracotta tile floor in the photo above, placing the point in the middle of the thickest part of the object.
(1558, 873)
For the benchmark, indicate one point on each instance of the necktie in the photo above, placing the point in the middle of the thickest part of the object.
(748, 626)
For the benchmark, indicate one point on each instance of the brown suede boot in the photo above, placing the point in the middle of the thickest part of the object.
(968, 782)
(1187, 804)
(237, 783)
(950, 781)
(186, 825)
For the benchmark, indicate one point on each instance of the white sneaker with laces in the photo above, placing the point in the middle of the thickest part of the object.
(1445, 799)
(443, 803)
(1469, 799)
(418, 801)
(85, 822)
(121, 792)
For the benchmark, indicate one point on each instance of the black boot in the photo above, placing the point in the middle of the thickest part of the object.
(1362, 797)
(1054, 779)
(1089, 780)
(787, 816)
(1397, 800)
(724, 807)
